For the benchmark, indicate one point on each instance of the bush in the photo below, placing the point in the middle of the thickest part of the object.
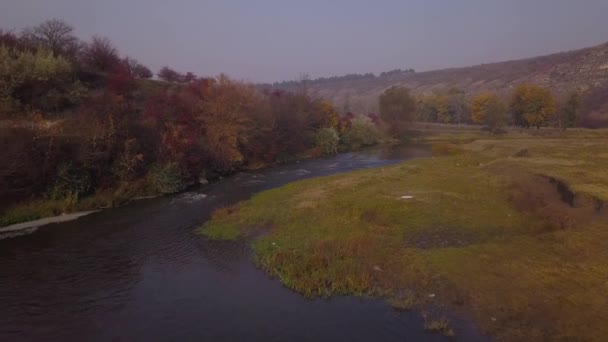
(362, 133)
(71, 183)
(168, 178)
(327, 140)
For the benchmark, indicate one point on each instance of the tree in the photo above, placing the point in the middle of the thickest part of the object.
(532, 105)
(457, 105)
(361, 133)
(397, 109)
(188, 78)
(137, 69)
(26, 76)
(327, 140)
(329, 114)
(169, 75)
(488, 109)
(570, 111)
(222, 111)
(101, 55)
(11, 41)
(55, 35)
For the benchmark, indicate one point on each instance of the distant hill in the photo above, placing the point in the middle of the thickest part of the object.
(585, 71)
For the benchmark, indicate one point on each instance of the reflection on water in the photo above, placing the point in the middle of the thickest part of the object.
(140, 273)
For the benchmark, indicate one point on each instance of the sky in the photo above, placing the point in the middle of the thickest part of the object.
(274, 40)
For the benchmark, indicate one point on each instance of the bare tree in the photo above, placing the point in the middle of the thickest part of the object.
(136, 68)
(101, 55)
(56, 35)
(169, 75)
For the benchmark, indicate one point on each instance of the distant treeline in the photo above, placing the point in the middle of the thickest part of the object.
(304, 80)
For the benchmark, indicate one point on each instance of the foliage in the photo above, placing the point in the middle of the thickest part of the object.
(488, 109)
(129, 162)
(137, 69)
(532, 105)
(328, 111)
(169, 75)
(570, 111)
(224, 120)
(168, 178)
(397, 110)
(443, 107)
(100, 55)
(27, 75)
(71, 182)
(362, 133)
(55, 35)
(327, 140)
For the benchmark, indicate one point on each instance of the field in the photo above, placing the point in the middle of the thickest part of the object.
(508, 230)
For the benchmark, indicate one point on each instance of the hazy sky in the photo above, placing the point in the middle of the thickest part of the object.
(269, 40)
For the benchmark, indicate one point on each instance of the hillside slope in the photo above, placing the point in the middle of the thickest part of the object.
(584, 70)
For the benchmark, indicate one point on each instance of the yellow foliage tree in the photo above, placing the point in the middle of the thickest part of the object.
(225, 120)
(488, 109)
(532, 105)
(330, 114)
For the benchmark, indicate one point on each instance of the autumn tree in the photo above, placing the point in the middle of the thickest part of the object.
(27, 76)
(222, 112)
(361, 133)
(457, 106)
(327, 139)
(101, 55)
(532, 105)
(329, 113)
(397, 109)
(488, 109)
(569, 114)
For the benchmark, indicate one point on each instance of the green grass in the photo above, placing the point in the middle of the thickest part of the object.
(486, 234)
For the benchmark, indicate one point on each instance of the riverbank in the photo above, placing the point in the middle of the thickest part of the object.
(507, 230)
(30, 226)
(26, 213)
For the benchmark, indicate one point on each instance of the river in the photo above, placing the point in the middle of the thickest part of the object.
(140, 273)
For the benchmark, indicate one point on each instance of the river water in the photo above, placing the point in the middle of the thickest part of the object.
(140, 273)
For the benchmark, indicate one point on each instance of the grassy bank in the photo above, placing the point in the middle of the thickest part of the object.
(35, 209)
(507, 230)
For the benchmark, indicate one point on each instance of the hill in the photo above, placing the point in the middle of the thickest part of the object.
(584, 71)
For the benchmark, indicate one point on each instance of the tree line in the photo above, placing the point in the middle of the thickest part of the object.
(529, 106)
(77, 119)
(336, 79)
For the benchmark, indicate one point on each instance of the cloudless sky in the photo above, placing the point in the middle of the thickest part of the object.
(271, 40)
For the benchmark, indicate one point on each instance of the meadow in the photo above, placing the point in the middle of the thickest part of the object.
(507, 230)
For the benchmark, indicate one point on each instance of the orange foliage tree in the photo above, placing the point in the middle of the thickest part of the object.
(532, 105)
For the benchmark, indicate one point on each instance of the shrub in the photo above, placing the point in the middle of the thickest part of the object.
(26, 74)
(71, 183)
(327, 140)
(362, 133)
(168, 178)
